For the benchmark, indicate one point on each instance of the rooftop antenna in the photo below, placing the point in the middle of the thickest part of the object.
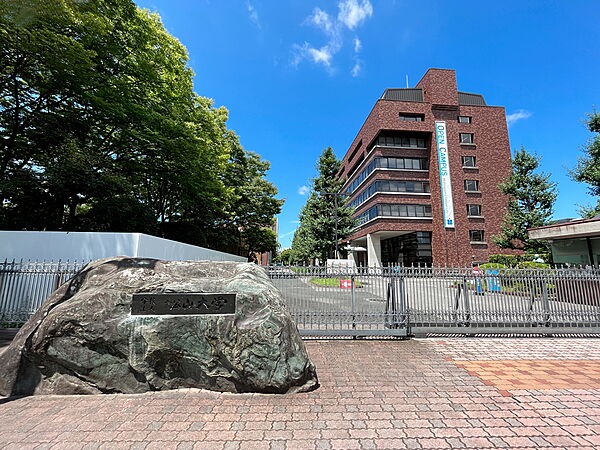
(407, 80)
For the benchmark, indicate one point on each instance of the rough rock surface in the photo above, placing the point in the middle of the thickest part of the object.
(83, 339)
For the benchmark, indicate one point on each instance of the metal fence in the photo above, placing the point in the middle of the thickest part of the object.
(396, 301)
(419, 300)
(24, 285)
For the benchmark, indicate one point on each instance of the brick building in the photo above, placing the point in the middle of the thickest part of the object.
(423, 175)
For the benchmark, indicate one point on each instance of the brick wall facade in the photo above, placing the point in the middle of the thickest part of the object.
(491, 148)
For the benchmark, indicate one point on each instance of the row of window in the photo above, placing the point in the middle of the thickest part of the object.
(388, 163)
(398, 141)
(420, 118)
(391, 210)
(419, 187)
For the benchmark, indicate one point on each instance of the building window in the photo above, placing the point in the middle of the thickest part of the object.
(394, 210)
(404, 187)
(412, 117)
(472, 185)
(403, 163)
(476, 236)
(401, 141)
(469, 161)
(387, 163)
(464, 119)
(466, 138)
(474, 210)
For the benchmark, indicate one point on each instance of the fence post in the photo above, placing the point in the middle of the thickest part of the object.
(467, 303)
(353, 304)
(545, 302)
(402, 302)
(457, 302)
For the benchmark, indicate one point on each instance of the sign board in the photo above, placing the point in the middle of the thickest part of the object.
(493, 281)
(444, 165)
(346, 284)
(182, 303)
(478, 272)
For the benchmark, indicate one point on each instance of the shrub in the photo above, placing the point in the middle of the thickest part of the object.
(532, 265)
(506, 260)
(515, 260)
(493, 266)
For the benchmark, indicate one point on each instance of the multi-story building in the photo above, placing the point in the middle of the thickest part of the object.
(423, 175)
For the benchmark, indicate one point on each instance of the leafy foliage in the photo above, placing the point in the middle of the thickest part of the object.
(532, 196)
(515, 260)
(588, 167)
(325, 219)
(100, 130)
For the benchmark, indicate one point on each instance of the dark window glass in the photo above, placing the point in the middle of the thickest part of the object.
(464, 119)
(471, 185)
(466, 138)
(412, 117)
(473, 210)
(469, 161)
(476, 235)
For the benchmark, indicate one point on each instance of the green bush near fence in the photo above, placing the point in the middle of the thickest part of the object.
(331, 282)
(532, 265)
(515, 260)
(491, 265)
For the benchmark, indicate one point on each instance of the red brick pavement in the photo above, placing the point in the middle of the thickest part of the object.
(373, 394)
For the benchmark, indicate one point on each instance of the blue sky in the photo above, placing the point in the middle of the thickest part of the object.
(300, 75)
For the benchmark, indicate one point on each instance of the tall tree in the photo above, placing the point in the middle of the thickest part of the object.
(588, 168)
(531, 201)
(100, 130)
(325, 219)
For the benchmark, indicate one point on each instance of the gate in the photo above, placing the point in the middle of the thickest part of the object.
(400, 301)
(335, 302)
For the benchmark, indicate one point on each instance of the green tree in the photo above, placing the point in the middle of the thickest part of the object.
(286, 257)
(588, 167)
(531, 200)
(325, 219)
(100, 129)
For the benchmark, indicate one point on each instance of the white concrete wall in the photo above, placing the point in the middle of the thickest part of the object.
(155, 247)
(89, 246)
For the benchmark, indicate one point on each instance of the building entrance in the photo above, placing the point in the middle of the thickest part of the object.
(407, 249)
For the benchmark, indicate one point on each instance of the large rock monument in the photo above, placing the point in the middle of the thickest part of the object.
(128, 325)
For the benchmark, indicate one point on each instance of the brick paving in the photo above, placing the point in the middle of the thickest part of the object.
(373, 395)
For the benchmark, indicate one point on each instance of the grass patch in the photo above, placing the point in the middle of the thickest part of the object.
(331, 282)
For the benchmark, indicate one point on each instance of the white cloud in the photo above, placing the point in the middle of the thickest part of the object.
(321, 55)
(321, 20)
(253, 14)
(284, 235)
(511, 119)
(352, 13)
(303, 190)
(356, 69)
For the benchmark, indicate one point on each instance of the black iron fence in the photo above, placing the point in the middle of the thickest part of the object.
(416, 300)
(24, 285)
(393, 301)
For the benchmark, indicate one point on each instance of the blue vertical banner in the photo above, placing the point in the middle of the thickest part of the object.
(444, 165)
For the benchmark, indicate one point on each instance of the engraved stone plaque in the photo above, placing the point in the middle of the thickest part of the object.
(182, 303)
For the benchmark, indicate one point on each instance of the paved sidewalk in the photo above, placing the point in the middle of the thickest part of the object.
(430, 393)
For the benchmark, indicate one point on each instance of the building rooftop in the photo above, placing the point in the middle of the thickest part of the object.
(566, 230)
(416, 95)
